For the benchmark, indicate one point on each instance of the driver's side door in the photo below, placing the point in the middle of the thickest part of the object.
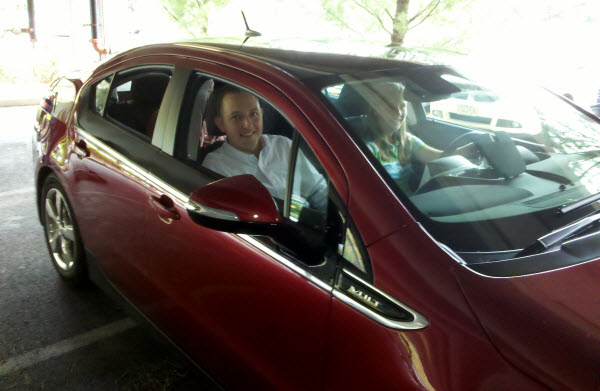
(250, 311)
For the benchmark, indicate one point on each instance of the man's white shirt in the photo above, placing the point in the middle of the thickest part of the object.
(271, 168)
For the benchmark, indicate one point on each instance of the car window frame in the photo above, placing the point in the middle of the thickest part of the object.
(206, 76)
(173, 132)
(136, 69)
(336, 213)
(112, 134)
(93, 101)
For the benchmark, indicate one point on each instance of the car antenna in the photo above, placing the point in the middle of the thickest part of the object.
(249, 32)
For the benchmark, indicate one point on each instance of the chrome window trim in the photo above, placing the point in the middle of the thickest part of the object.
(419, 321)
(145, 175)
(285, 262)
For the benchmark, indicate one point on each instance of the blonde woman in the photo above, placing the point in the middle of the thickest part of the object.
(390, 142)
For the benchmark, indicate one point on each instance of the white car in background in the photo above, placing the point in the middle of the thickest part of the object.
(485, 110)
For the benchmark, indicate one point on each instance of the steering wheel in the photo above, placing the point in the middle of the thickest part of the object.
(499, 150)
(471, 137)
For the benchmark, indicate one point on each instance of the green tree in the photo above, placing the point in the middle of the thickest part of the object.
(391, 16)
(192, 15)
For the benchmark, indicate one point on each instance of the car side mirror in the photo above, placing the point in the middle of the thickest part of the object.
(239, 204)
(242, 205)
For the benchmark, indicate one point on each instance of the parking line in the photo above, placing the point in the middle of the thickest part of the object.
(36, 356)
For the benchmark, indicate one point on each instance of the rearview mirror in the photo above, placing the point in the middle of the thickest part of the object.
(239, 204)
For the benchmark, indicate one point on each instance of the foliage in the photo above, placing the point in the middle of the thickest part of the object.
(192, 15)
(6, 75)
(45, 72)
(395, 17)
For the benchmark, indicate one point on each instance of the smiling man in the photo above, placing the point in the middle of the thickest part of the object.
(247, 150)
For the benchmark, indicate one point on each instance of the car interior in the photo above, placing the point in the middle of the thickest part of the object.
(453, 178)
(134, 100)
(198, 135)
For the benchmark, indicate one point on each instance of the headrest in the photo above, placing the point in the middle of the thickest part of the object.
(209, 117)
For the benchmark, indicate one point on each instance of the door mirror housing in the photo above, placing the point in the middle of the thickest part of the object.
(242, 205)
(239, 204)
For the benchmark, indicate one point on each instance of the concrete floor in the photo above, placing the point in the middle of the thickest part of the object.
(52, 336)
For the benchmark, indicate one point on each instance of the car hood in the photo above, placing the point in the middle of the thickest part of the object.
(546, 324)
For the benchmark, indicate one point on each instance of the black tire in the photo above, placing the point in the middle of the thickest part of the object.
(62, 233)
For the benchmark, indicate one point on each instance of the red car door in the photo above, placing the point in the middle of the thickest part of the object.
(111, 147)
(251, 315)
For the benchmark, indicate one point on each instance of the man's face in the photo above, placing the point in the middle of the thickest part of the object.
(241, 121)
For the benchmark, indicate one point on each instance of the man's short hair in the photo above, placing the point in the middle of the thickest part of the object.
(220, 93)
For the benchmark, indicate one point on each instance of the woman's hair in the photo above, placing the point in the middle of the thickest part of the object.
(390, 94)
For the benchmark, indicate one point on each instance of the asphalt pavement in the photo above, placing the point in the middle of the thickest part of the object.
(53, 336)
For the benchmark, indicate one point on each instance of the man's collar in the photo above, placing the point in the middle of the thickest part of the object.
(236, 152)
(241, 154)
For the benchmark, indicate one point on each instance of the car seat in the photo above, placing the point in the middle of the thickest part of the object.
(147, 93)
(197, 130)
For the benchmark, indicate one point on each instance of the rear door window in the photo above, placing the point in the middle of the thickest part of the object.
(134, 99)
(101, 94)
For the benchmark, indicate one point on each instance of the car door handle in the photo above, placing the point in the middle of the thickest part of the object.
(81, 149)
(166, 208)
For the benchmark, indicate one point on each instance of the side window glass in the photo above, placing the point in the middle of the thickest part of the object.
(134, 99)
(312, 206)
(101, 95)
(231, 130)
(308, 199)
(351, 250)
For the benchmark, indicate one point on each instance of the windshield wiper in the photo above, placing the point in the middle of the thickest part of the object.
(579, 203)
(560, 235)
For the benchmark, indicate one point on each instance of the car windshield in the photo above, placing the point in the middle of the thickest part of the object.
(483, 165)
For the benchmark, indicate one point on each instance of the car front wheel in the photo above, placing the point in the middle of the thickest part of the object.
(62, 233)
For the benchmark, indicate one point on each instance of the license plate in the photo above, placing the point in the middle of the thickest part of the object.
(466, 110)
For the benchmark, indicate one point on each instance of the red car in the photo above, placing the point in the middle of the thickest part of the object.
(374, 246)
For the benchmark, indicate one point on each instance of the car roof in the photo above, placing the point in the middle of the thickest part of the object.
(318, 60)
(307, 63)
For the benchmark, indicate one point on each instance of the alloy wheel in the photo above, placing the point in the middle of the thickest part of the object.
(60, 230)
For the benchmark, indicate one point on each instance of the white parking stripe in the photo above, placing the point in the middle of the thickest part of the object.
(15, 192)
(34, 357)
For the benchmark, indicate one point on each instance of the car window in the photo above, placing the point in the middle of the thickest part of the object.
(286, 166)
(101, 94)
(202, 141)
(311, 206)
(308, 200)
(134, 99)
(482, 164)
